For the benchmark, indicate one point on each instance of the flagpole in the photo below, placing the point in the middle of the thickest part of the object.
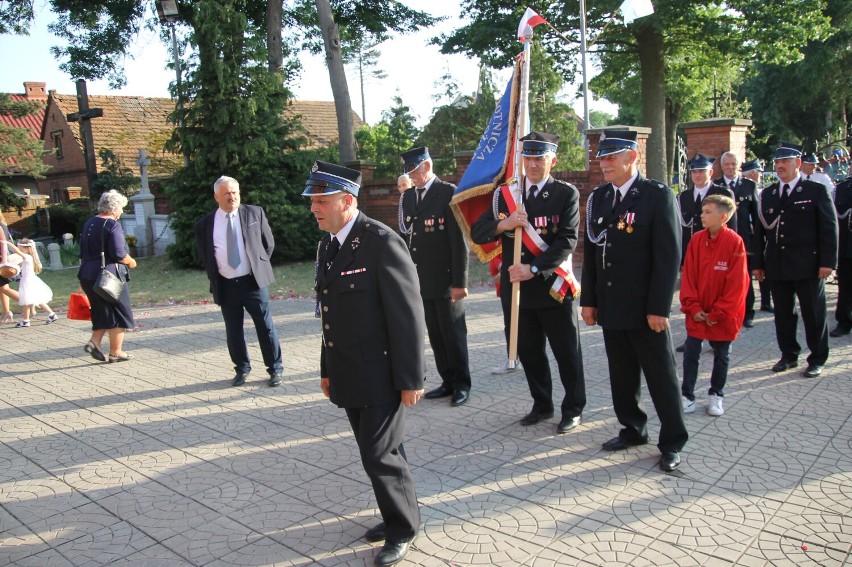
(583, 53)
(520, 131)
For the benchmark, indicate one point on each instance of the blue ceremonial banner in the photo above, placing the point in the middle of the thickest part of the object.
(491, 165)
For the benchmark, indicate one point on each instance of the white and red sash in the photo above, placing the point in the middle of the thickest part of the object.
(565, 280)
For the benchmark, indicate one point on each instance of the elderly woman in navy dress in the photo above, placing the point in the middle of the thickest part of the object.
(103, 233)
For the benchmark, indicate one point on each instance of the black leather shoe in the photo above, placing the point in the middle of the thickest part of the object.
(239, 379)
(535, 416)
(392, 553)
(839, 331)
(460, 397)
(275, 380)
(748, 323)
(619, 444)
(681, 347)
(376, 533)
(669, 461)
(784, 364)
(567, 424)
(813, 371)
(441, 391)
(767, 308)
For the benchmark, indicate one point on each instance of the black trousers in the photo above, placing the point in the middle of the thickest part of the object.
(811, 295)
(631, 352)
(558, 325)
(843, 311)
(379, 431)
(447, 329)
(239, 295)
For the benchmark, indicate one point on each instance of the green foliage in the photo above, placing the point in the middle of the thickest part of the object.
(16, 17)
(20, 153)
(68, 217)
(10, 200)
(69, 253)
(234, 127)
(114, 175)
(381, 144)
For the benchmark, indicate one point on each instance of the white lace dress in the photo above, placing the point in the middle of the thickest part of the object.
(32, 290)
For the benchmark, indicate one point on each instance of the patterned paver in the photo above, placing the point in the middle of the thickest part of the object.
(160, 462)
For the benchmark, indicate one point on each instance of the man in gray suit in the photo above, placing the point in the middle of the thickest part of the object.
(235, 246)
(371, 363)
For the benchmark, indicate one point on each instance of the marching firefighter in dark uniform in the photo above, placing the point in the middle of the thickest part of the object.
(631, 255)
(440, 252)
(796, 249)
(843, 312)
(550, 221)
(371, 362)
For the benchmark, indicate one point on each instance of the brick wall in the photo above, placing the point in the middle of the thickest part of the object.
(715, 136)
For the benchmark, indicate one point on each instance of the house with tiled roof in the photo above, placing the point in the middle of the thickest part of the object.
(319, 121)
(128, 124)
(9, 171)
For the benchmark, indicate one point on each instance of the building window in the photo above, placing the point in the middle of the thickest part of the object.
(57, 143)
(57, 195)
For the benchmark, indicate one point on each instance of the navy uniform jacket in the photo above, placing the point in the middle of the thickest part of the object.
(436, 243)
(629, 275)
(745, 196)
(843, 204)
(690, 210)
(258, 241)
(557, 206)
(372, 317)
(805, 236)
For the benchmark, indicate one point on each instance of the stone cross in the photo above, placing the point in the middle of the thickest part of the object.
(143, 162)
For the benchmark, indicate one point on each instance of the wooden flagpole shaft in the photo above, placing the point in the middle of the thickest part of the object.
(520, 132)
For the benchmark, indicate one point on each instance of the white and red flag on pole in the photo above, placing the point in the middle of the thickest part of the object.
(531, 19)
(634, 9)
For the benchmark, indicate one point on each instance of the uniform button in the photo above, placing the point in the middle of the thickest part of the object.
(327, 326)
(385, 353)
(330, 344)
(325, 308)
(609, 283)
(413, 234)
(609, 264)
(782, 248)
(325, 292)
(782, 224)
(782, 236)
(609, 244)
(352, 286)
(414, 249)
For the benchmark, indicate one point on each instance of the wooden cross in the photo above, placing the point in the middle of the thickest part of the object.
(84, 115)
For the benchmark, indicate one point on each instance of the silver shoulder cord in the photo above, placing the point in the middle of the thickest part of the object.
(401, 217)
(316, 280)
(765, 224)
(680, 215)
(600, 239)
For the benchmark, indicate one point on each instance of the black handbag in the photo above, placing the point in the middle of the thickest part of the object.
(108, 286)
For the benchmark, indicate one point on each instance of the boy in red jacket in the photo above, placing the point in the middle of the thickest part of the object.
(712, 295)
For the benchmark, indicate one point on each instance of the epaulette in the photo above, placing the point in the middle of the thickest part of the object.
(656, 184)
(377, 228)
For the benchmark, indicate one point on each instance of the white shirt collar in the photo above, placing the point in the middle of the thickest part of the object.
(343, 233)
(623, 188)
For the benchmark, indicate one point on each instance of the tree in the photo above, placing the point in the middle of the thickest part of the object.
(235, 127)
(113, 175)
(337, 76)
(365, 57)
(382, 143)
(20, 153)
(746, 30)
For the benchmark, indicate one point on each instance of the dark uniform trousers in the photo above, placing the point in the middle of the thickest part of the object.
(555, 210)
(843, 204)
(373, 342)
(379, 431)
(439, 250)
(627, 275)
(804, 240)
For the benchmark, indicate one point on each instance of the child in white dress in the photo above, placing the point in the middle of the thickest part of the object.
(31, 289)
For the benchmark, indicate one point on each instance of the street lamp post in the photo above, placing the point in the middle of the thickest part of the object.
(168, 12)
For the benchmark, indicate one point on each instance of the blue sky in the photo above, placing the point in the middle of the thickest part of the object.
(412, 67)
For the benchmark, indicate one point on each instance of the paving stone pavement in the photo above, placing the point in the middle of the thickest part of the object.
(159, 461)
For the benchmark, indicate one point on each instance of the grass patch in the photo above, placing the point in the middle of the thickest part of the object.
(156, 281)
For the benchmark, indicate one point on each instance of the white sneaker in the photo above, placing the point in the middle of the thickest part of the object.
(715, 408)
(688, 405)
(504, 368)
